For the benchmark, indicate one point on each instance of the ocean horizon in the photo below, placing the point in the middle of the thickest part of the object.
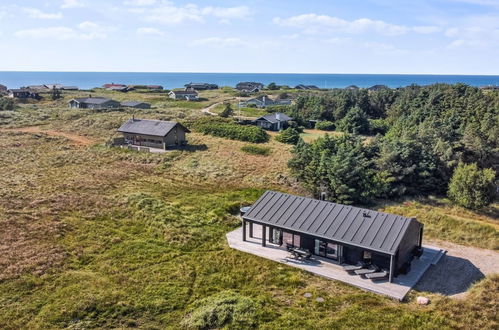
(170, 80)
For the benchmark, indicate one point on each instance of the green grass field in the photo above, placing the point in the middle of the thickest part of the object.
(97, 237)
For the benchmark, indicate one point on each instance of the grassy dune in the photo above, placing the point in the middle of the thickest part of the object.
(100, 237)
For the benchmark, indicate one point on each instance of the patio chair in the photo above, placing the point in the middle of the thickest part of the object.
(383, 274)
(368, 270)
(352, 268)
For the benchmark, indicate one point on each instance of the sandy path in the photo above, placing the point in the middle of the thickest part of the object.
(208, 109)
(76, 139)
(458, 269)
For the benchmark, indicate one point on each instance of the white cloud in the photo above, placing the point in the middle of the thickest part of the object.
(426, 29)
(220, 42)
(317, 24)
(59, 32)
(140, 2)
(232, 12)
(37, 13)
(166, 12)
(149, 31)
(84, 31)
(72, 4)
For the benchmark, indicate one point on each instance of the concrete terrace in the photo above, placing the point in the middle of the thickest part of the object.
(398, 289)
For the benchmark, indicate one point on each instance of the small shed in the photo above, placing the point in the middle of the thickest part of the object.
(154, 133)
(200, 86)
(274, 121)
(93, 103)
(136, 105)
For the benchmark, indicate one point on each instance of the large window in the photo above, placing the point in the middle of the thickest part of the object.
(326, 249)
(289, 239)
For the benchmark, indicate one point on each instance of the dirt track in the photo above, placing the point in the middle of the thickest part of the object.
(76, 139)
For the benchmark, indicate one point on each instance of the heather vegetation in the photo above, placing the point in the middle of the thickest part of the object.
(101, 237)
(230, 130)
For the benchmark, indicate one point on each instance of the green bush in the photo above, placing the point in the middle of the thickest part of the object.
(325, 125)
(290, 136)
(471, 187)
(6, 104)
(378, 126)
(230, 130)
(256, 150)
(225, 309)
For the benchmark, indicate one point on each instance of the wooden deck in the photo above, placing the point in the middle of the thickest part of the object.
(398, 289)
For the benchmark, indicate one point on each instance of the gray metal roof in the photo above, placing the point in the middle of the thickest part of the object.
(149, 127)
(132, 103)
(92, 100)
(275, 117)
(376, 231)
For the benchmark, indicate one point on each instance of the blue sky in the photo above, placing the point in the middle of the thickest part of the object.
(315, 36)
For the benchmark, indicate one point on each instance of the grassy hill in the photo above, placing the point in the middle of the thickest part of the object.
(101, 237)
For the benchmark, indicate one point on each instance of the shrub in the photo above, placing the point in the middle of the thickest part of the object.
(227, 112)
(289, 136)
(6, 104)
(325, 125)
(378, 126)
(471, 187)
(224, 309)
(256, 150)
(230, 130)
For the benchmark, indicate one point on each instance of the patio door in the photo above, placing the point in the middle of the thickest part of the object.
(326, 249)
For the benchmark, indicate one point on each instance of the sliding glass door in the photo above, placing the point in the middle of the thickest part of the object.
(326, 249)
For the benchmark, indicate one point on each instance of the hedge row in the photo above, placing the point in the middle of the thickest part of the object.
(230, 130)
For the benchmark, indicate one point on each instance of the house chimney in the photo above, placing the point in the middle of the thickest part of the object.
(90, 95)
(133, 117)
(278, 116)
(323, 196)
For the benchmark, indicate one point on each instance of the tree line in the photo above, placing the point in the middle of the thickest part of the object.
(422, 139)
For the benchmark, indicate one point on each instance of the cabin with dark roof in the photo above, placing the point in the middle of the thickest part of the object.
(200, 86)
(306, 87)
(343, 234)
(153, 133)
(274, 121)
(249, 87)
(24, 93)
(93, 103)
(136, 105)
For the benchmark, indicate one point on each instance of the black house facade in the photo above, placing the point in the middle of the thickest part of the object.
(341, 233)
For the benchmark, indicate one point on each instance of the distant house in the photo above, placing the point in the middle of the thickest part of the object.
(352, 87)
(136, 105)
(306, 87)
(113, 85)
(69, 88)
(148, 87)
(93, 103)
(53, 86)
(378, 87)
(189, 95)
(274, 121)
(249, 87)
(264, 101)
(490, 87)
(153, 133)
(3, 88)
(200, 86)
(39, 88)
(154, 87)
(260, 101)
(24, 93)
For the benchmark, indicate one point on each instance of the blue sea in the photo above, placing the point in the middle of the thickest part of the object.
(88, 80)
